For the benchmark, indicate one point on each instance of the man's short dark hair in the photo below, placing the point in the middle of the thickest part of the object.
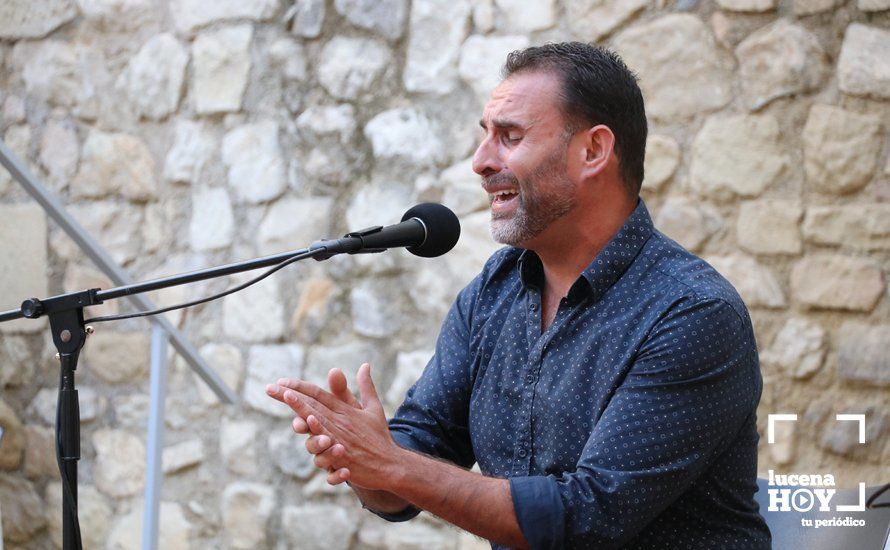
(597, 88)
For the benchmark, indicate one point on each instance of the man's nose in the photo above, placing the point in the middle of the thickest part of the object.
(486, 160)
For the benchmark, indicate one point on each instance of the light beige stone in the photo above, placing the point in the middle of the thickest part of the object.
(840, 149)
(481, 58)
(681, 71)
(13, 441)
(115, 164)
(180, 456)
(375, 309)
(462, 190)
(873, 5)
(438, 28)
(213, 223)
(256, 169)
(593, 20)
(837, 282)
(863, 67)
(312, 309)
(350, 68)
(72, 76)
(798, 349)
(747, 5)
(864, 226)
(385, 17)
(779, 60)
(809, 7)
(116, 225)
(319, 526)
(153, 78)
(238, 445)
(120, 16)
(18, 139)
(862, 353)
(524, 16)
(348, 357)
(59, 151)
(23, 272)
(308, 18)
(220, 69)
(117, 357)
(246, 508)
(755, 282)
(94, 511)
(119, 470)
(662, 159)
(34, 18)
(173, 529)
(769, 226)
(293, 223)
(226, 360)
(191, 151)
(265, 365)
(22, 509)
(690, 223)
(16, 361)
(288, 452)
(255, 314)
(737, 155)
(190, 15)
(40, 452)
(409, 367)
(406, 135)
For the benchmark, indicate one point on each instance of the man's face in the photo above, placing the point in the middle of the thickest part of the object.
(522, 157)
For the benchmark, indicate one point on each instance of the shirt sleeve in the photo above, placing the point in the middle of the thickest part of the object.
(694, 385)
(434, 418)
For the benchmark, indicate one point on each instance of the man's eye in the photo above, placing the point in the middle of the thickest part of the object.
(512, 138)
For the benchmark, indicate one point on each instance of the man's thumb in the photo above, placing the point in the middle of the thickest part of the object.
(366, 388)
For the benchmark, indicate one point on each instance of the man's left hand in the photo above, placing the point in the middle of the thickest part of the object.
(369, 453)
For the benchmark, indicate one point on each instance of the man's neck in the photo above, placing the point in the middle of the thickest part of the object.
(571, 244)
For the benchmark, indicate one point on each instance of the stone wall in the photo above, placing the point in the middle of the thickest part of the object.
(186, 133)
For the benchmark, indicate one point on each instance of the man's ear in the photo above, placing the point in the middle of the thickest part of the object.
(599, 150)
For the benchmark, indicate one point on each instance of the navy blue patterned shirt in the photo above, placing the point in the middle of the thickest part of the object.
(630, 422)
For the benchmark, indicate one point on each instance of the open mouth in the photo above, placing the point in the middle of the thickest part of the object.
(504, 196)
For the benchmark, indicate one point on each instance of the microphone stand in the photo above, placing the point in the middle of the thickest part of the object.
(69, 334)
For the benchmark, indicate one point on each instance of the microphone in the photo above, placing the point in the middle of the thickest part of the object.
(427, 230)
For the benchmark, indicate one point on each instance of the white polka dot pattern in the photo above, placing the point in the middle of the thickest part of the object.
(629, 423)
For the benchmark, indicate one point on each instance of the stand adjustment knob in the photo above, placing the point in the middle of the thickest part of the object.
(32, 308)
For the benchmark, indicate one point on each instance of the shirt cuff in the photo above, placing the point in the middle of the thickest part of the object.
(408, 513)
(539, 511)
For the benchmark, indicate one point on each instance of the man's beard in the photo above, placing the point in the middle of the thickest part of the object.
(537, 208)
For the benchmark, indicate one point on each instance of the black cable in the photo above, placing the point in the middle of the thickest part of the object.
(870, 503)
(253, 281)
(67, 495)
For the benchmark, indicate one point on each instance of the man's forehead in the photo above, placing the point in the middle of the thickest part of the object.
(521, 97)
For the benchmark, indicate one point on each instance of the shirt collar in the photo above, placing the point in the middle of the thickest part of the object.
(608, 266)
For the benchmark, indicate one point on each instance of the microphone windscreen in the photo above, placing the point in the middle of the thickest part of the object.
(442, 229)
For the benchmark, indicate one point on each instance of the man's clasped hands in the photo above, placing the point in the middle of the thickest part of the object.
(348, 437)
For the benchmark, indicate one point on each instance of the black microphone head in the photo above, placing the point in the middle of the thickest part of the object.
(442, 229)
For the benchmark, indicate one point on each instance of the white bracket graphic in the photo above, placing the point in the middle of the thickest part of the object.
(771, 424)
(855, 418)
(854, 507)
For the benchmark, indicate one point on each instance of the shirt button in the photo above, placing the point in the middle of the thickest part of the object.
(522, 453)
(533, 307)
(529, 379)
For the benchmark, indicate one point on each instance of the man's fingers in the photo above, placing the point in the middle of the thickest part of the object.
(318, 444)
(300, 425)
(318, 394)
(366, 388)
(339, 387)
(308, 408)
(338, 476)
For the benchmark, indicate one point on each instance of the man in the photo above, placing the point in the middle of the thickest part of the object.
(604, 379)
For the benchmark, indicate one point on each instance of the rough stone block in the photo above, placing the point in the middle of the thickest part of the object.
(770, 226)
(840, 149)
(862, 353)
(681, 72)
(23, 272)
(837, 282)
